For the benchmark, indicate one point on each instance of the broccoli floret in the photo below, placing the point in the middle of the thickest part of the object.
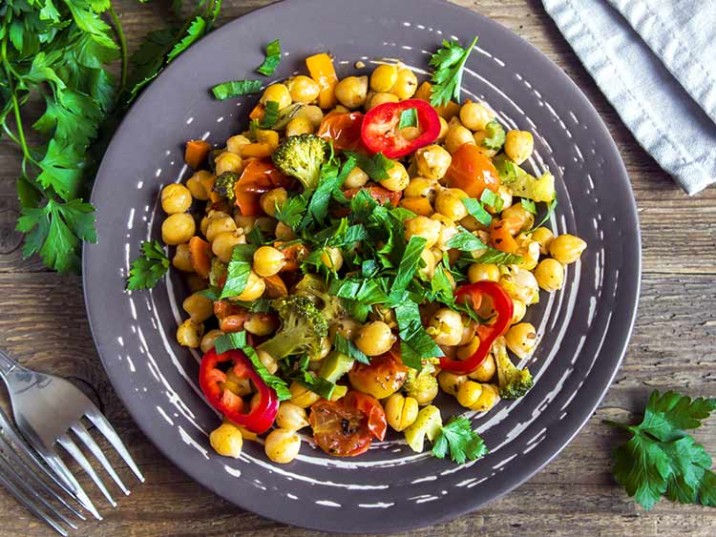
(494, 136)
(302, 157)
(331, 306)
(422, 385)
(513, 382)
(524, 184)
(224, 185)
(303, 327)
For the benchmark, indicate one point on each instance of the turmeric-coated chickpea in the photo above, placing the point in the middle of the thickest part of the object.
(445, 327)
(356, 178)
(406, 84)
(200, 184)
(272, 199)
(550, 274)
(468, 393)
(475, 116)
(209, 340)
(519, 309)
(227, 440)
(261, 324)
(302, 396)
(198, 307)
(443, 129)
(284, 232)
(291, 417)
(176, 198)
(432, 161)
(521, 339)
(282, 445)
(303, 89)
(486, 371)
(223, 244)
(332, 258)
(456, 137)
(478, 272)
(519, 217)
(351, 91)
(420, 187)
(278, 93)
(182, 258)
(268, 261)
(268, 361)
(228, 162)
(384, 78)
(489, 397)
(298, 126)
(449, 203)
(397, 179)
(178, 228)
(381, 98)
(400, 411)
(422, 226)
(543, 236)
(450, 382)
(375, 338)
(428, 271)
(189, 334)
(235, 143)
(567, 248)
(312, 113)
(219, 222)
(255, 287)
(518, 145)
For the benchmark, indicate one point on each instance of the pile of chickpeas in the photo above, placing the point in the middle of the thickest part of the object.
(439, 210)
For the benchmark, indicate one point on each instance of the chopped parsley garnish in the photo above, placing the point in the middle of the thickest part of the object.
(273, 58)
(408, 118)
(459, 440)
(238, 270)
(236, 88)
(270, 115)
(477, 210)
(492, 200)
(148, 268)
(449, 63)
(529, 205)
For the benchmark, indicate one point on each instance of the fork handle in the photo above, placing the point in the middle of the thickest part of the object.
(8, 365)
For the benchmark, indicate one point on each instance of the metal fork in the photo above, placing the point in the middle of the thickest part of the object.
(49, 410)
(30, 482)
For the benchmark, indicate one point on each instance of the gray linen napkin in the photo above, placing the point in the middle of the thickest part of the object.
(655, 60)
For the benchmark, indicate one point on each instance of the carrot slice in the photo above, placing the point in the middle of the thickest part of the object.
(200, 255)
(258, 112)
(255, 150)
(196, 153)
(320, 66)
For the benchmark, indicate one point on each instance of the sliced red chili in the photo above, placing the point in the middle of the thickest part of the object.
(381, 132)
(213, 376)
(488, 333)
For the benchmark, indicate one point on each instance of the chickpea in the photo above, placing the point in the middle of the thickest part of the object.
(381, 98)
(449, 203)
(356, 178)
(478, 272)
(196, 283)
(255, 287)
(302, 396)
(550, 274)
(521, 339)
(520, 284)
(420, 187)
(475, 116)
(529, 250)
(332, 258)
(543, 236)
(456, 137)
(566, 248)
(486, 371)
(182, 258)
(405, 85)
(445, 327)
(422, 226)
(209, 339)
(261, 324)
(312, 113)
(468, 393)
(176, 198)
(506, 196)
(519, 145)
(266, 224)
(424, 389)
(447, 231)
(299, 125)
(400, 411)
(268, 361)
(228, 162)
(284, 232)
(178, 228)
(468, 348)
(219, 222)
(428, 271)
(375, 338)
(518, 216)
(198, 307)
(398, 178)
(227, 440)
(282, 445)
(189, 334)
(383, 78)
(432, 161)
(278, 93)
(347, 327)
(519, 309)
(303, 89)
(291, 417)
(443, 129)
(198, 184)
(272, 199)
(450, 382)
(351, 91)
(489, 397)
(268, 261)
(235, 143)
(223, 244)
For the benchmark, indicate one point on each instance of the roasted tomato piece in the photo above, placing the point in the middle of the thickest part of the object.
(382, 377)
(259, 176)
(472, 171)
(343, 129)
(378, 193)
(346, 428)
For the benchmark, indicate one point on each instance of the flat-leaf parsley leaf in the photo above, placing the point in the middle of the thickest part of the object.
(149, 267)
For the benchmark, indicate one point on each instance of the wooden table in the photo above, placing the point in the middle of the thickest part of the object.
(44, 325)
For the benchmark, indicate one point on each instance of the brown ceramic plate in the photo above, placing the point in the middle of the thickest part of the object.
(584, 328)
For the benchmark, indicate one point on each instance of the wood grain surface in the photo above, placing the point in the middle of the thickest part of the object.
(43, 324)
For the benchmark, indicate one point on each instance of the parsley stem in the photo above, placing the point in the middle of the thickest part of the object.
(122, 46)
(16, 109)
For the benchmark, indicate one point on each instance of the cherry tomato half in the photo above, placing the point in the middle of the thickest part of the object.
(346, 428)
(259, 176)
(472, 171)
(378, 193)
(381, 132)
(382, 377)
(342, 129)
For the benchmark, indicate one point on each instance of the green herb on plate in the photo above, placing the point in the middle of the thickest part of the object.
(449, 63)
(148, 268)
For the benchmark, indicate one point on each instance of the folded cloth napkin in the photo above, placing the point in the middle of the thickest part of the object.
(655, 60)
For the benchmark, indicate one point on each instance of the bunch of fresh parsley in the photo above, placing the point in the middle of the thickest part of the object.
(58, 51)
(661, 458)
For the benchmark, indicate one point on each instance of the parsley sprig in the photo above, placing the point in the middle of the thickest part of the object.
(458, 438)
(449, 63)
(661, 458)
(148, 268)
(59, 53)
